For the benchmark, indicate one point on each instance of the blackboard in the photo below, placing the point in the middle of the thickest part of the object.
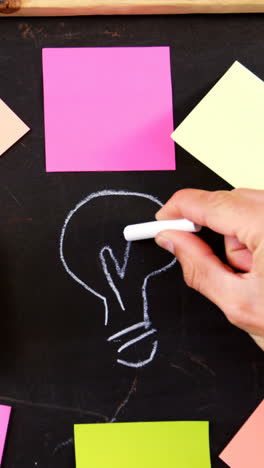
(56, 366)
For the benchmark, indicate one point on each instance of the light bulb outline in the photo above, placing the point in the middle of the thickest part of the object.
(121, 271)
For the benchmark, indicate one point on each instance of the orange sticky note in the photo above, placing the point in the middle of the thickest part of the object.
(246, 449)
(11, 127)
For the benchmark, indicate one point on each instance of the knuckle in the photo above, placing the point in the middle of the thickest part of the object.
(219, 202)
(246, 304)
(191, 275)
(239, 314)
(179, 194)
(219, 198)
(233, 317)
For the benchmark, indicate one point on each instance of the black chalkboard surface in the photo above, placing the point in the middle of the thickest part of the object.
(57, 366)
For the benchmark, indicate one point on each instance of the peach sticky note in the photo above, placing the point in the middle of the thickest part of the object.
(225, 131)
(11, 127)
(108, 109)
(246, 449)
(4, 420)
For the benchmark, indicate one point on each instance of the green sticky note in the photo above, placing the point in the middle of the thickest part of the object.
(181, 444)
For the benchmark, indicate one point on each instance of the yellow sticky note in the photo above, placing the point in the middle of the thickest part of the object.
(225, 131)
(171, 444)
(11, 127)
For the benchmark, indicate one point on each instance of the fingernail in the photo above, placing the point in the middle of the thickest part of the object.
(165, 243)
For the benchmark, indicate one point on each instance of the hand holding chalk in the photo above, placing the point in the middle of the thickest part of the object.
(239, 216)
(142, 231)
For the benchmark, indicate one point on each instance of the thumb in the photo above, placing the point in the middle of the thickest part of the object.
(202, 269)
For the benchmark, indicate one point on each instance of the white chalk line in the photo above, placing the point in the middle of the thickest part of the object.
(121, 270)
(146, 323)
(144, 289)
(85, 200)
(141, 363)
(135, 340)
(126, 330)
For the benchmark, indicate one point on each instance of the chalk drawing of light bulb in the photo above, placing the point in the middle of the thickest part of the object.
(95, 255)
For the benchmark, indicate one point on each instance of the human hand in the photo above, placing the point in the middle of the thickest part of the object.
(239, 216)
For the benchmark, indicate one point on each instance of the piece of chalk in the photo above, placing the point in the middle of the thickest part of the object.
(149, 230)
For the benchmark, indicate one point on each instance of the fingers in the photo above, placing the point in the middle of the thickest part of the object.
(237, 254)
(202, 270)
(228, 213)
(240, 296)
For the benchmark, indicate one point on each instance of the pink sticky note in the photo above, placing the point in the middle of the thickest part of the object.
(246, 449)
(108, 109)
(11, 127)
(4, 420)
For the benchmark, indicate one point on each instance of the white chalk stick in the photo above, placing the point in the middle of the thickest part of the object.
(142, 231)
